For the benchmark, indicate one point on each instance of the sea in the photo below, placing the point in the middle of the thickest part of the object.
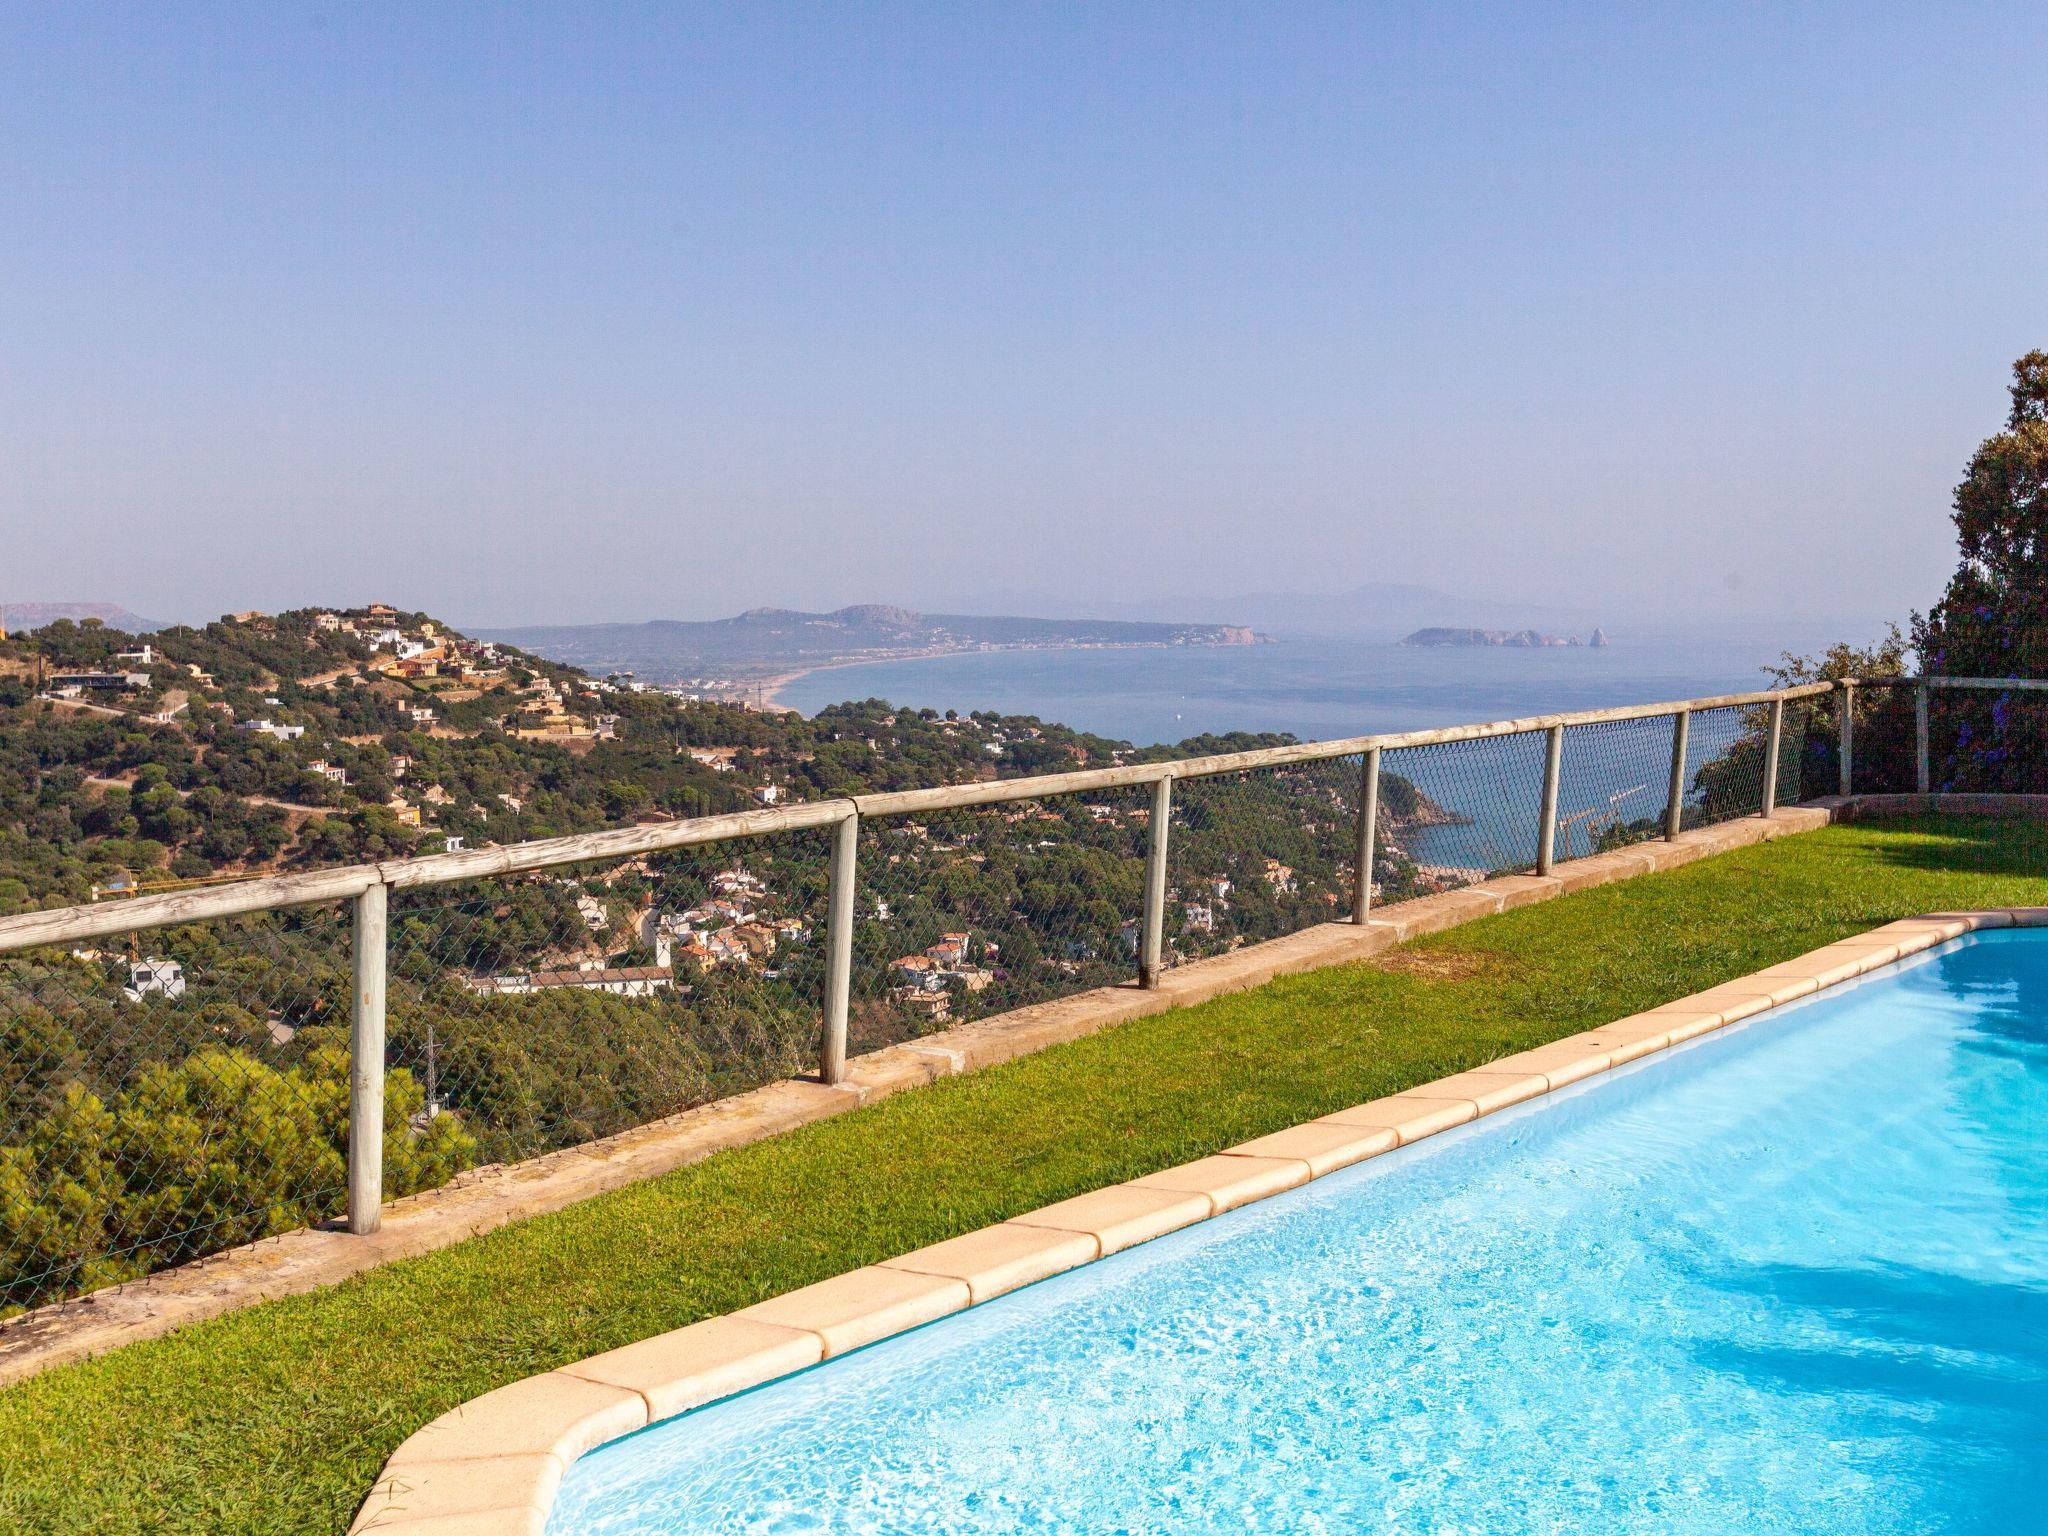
(1325, 686)
(1319, 686)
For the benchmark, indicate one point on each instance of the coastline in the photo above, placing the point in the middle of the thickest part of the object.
(1316, 686)
(765, 694)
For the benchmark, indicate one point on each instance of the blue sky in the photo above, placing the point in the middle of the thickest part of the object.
(580, 312)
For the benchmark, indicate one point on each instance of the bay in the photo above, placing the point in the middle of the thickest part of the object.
(1317, 686)
(1324, 686)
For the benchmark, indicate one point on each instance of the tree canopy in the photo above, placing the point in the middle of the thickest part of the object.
(1993, 619)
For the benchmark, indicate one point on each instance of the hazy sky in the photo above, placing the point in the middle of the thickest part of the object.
(608, 311)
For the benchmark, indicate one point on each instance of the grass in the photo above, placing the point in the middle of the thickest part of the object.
(276, 1419)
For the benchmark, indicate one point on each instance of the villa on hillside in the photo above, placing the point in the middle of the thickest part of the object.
(621, 981)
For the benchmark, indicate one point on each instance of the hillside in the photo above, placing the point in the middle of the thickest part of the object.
(22, 616)
(768, 643)
(535, 1011)
(315, 738)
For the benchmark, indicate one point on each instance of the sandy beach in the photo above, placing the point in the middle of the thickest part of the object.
(765, 693)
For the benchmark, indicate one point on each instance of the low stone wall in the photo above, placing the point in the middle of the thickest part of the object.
(487, 1198)
(1882, 807)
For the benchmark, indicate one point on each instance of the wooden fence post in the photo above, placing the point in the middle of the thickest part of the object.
(1546, 831)
(842, 890)
(1368, 830)
(1152, 942)
(366, 1063)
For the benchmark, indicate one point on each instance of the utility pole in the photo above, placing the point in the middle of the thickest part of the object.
(433, 1076)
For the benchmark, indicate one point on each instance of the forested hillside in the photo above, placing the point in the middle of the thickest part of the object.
(180, 1091)
(275, 742)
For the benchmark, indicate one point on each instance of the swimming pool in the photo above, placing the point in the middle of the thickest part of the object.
(1793, 1276)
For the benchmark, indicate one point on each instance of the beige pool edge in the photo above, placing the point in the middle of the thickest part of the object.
(492, 1466)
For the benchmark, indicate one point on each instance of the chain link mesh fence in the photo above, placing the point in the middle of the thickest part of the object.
(186, 1090)
(1724, 757)
(548, 1009)
(1455, 813)
(171, 1094)
(1614, 784)
(1882, 751)
(1820, 769)
(1259, 854)
(1797, 731)
(970, 912)
(1728, 755)
(1984, 740)
(1980, 740)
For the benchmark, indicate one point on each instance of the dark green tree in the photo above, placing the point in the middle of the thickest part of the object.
(1993, 619)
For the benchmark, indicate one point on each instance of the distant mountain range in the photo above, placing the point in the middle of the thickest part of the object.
(764, 645)
(17, 617)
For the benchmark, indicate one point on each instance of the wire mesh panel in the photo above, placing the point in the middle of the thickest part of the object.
(970, 912)
(171, 1094)
(1457, 812)
(1819, 758)
(1725, 764)
(1987, 740)
(1883, 752)
(1793, 736)
(187, 1090)
(1259, 854)
(543, 1010)
(1614, 782)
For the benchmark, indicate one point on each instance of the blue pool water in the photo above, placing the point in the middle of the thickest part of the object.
(1790, 1278)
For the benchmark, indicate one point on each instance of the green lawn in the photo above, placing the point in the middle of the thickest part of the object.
(277, 1419)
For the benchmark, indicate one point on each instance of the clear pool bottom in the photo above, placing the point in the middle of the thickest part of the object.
(1791, 1278)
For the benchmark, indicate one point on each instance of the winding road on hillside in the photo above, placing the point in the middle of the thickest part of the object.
(271, 800)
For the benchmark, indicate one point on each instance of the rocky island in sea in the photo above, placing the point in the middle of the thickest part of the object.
(1517, 639)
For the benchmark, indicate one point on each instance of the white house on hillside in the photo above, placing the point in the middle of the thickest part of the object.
(154, 978)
